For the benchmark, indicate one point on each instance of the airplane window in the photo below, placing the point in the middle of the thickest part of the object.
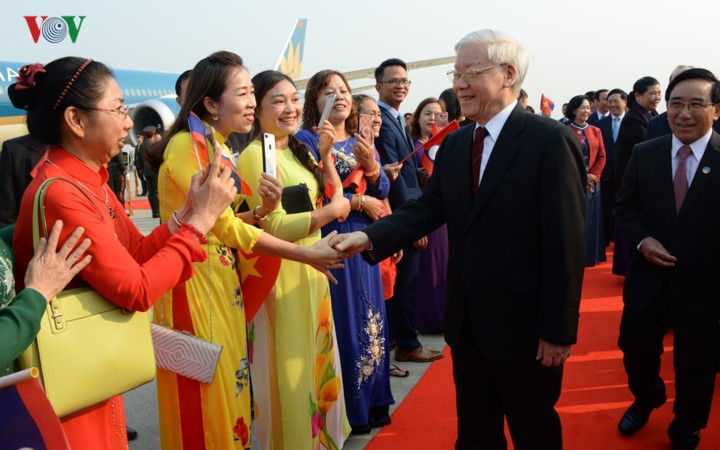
(127, 92)
(133, 92)
(144, 93)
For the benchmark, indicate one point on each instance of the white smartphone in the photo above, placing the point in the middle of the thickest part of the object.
(326, 111)
(269, 161)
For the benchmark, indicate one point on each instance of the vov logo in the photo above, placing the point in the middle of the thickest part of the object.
(54, 29)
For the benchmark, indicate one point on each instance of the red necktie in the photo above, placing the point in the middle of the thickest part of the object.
(477, 151)
(681, 182)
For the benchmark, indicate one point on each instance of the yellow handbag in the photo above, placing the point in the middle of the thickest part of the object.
(88, 348)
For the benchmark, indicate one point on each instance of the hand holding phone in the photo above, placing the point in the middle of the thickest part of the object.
(326, 111)
(269, 159)
(365, 124)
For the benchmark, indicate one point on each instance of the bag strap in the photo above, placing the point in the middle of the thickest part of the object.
(39, 207)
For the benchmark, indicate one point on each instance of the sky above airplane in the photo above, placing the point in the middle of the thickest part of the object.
(575, 47)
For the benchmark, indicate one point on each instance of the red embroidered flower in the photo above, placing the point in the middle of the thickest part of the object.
(241, 431)
(317, 424)
(26, 76)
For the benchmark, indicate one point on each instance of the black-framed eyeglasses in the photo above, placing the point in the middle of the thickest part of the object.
(398, 81)
(677, 105)
(122, 111)
(469, 75)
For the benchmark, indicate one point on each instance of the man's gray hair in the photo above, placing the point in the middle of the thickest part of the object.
(502, 49)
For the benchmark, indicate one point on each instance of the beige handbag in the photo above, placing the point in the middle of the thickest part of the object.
(185, 354)
(88, 348)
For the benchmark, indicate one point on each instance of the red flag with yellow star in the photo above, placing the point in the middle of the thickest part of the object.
(257, 277)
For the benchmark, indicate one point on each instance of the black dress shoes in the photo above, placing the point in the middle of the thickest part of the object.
(361, 429)
(637, 416)
(379, 416)
(131, 433)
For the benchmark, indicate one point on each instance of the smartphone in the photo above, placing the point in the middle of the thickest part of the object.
(210, 136)
(441, 119)
(269, 161)
(365, 124)
(326, 111)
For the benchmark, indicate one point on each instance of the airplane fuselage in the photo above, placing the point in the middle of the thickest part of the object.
(138, 86)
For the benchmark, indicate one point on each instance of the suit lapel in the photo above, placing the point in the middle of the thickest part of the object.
(462, 171)
(662, 174)
(503, 153)
(387, 116)
(708, 167)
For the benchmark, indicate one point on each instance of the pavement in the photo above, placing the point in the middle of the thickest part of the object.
(141, 403)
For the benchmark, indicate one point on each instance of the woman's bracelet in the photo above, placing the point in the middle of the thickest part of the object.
(177, 221)
(373, 172)
(198, 234)
(257, 216)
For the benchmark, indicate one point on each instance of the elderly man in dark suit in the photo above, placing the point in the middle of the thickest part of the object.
(510, 189)
(668, 210)
(393, 144)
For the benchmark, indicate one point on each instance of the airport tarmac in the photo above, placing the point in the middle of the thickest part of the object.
(141, 403)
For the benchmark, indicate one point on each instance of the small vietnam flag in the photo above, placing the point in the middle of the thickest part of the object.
(546, 105)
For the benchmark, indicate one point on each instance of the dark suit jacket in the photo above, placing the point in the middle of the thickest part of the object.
(593, 119)
(646, 207)
(516, 251)
(658, 126)
(632, 131)
(17, 159)
(393, 145)
(608, 174)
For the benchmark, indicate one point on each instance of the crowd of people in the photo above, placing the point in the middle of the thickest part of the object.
(487, 243)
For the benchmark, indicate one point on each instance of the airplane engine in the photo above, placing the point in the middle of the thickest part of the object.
(159, 111)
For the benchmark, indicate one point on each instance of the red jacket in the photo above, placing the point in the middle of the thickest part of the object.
(596, 164)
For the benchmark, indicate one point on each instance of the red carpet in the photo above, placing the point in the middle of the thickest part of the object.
(138, 203)
(594, 397)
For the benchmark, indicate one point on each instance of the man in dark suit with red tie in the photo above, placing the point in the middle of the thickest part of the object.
(516, 249)
(668, 210)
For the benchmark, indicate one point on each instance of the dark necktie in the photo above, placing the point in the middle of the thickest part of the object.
(477, 151)
(681, 182)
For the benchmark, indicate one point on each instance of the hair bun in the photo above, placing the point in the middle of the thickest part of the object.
(22, 98)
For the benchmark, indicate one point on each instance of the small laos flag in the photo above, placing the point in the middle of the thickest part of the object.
(427, 160)
(203, 152)
(27, 420)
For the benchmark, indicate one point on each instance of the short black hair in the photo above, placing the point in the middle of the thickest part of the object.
(623, 94)
(574, 104)
(380, 70)
(596, 96)
(178, 84)
(696, 74)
